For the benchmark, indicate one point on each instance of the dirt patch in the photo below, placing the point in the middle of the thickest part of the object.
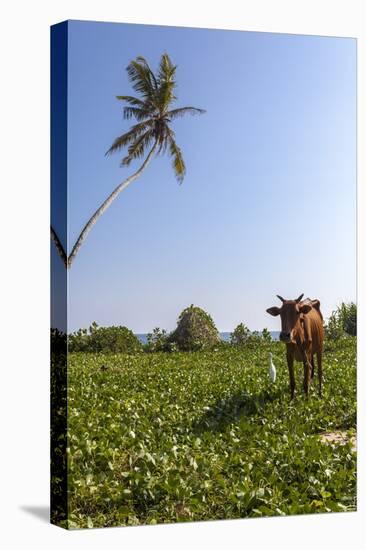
(340, 438)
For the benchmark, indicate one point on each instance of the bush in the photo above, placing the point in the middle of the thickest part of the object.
(266, 335)
(195, 330)
(58, 342)
(342, 322)
(104, 339)
(158, 340)
(242, 336)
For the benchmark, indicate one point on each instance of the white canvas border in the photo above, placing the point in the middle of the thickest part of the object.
(25, 268)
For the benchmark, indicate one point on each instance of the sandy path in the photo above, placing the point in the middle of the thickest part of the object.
(340, 438)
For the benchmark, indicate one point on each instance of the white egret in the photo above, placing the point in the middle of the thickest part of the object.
(272, 369)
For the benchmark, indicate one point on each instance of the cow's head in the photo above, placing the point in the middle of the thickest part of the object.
(290, 314)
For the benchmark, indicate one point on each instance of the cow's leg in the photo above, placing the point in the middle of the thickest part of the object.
(307, 372)
(312, 366)
(290, 364)
(320, 370)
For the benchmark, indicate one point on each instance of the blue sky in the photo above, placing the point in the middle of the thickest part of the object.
(268, 205)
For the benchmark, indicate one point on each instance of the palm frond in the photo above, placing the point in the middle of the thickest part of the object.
(129, 136)
(166, 83)
(138, 147)
(165, 96)
(143, 62)
(142, 78)
(162, 136)
(166, 69)
(135, 101)
(175, 113)
(177, 162)
(136, 112)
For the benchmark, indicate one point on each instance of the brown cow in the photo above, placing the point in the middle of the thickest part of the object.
(302, 332)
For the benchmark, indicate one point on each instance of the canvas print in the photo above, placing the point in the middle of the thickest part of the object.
(203, 281)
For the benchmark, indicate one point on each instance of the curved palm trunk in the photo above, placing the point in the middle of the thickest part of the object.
(94, 218)
(59, 247)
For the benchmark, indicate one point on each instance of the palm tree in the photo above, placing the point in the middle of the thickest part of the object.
(151, 135)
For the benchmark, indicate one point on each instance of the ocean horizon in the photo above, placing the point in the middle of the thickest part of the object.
(225, 336)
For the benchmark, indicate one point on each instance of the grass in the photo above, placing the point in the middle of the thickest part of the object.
(158, 438)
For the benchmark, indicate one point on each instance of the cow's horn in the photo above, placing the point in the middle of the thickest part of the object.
(299, 298)
(280, 298)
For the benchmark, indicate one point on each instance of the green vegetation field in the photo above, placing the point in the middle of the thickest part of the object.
(161, 437)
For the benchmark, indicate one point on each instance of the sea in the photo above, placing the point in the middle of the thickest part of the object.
(225, 336)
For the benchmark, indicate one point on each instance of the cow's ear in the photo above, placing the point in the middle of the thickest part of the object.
(305, 308)
(273, 311)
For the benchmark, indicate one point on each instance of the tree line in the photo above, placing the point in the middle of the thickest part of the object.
(195, 331)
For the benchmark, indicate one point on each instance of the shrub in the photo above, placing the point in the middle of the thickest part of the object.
(195, 330)
(342, 322)
(255, 337)
(58, 342)
(266, 335)
(79, 340)
(240, 335)
(105, 339)
(158, 340)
